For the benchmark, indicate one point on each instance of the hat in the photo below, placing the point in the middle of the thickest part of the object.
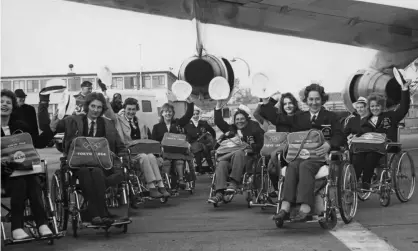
(54, 85)
(261, 87)
(181, 89)
(20, 93)
(361, 100)
(245, 109)
(219, 88)
(105, 75)
(86, 84)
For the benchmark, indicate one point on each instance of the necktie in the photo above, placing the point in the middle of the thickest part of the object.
(91, 132)
(313, 119)
(131, 125)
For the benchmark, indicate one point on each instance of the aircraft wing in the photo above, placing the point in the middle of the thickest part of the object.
(375, 26)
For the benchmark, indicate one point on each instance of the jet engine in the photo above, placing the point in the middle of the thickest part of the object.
(365, 82)
(199, 71)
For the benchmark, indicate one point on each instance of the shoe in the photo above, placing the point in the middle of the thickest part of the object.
(44, 230)
(19, 234)
(216, 199)
(281, 215)
(107, 221)
(164, 192)
(182, 184)
(154, 193)
(273, 194)
(232, 187)
(301, 217)
(97, 221)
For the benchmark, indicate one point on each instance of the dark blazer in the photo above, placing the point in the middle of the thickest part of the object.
(282, 122)
(351, 124)
(325, 117)
(176, 126)
(27, 114)
(387, 122)
(194, 132)
(251, 131)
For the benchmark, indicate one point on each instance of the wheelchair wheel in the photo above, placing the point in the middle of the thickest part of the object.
(403, 176)
(385, 189)
(279, 223)
(347, 193)
(59, 201)
(330, 219)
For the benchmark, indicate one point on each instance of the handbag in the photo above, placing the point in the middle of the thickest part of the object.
(19, 149)
(274, 141)
(90, 152)
(303, 145)
(369, 142)
(175, 143)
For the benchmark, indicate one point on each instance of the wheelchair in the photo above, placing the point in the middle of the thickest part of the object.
(29, 222)
(244, 188)
(395, 167)
(206, 136)
(170, 172)
(70, 205)
(137, 186)
(335, 188)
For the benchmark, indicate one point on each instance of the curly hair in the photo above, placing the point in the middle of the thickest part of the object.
(12, 96)
(95, 96)
(292, 99)
(379, 98)
(131, 101)
(166, 106)
(315, 87)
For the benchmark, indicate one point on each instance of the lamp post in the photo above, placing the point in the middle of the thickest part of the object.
(248, 66)
(140, 69)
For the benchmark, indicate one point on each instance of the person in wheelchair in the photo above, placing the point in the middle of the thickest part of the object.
(352, 123)
(201, 145)
(130, 128)
(283, 120)
(173, 125)
(251, 133)
(28, 186)
(379, 121)
(94, 124)
(299, 183)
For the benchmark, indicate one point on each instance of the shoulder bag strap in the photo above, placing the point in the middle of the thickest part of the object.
(94, 152)
(302, 144)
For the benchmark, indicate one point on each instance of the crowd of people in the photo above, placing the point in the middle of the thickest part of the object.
(117, 121)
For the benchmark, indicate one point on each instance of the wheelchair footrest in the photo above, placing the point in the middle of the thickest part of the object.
(10, 241)
(116, 223)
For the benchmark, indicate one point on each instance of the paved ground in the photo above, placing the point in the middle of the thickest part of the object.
(188, 223)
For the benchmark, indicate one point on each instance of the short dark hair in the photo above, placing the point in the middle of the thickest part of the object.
(292, 99)
(12, 96)
(131, 101)
(94, 96)
(315, 87)
(244, 113)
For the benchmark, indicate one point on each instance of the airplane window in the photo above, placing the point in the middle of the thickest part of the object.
(146, 106)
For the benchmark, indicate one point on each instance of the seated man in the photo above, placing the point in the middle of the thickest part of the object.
(130, 128)
(251, 134)
(299, 183)
(201, 146)
(93, 181)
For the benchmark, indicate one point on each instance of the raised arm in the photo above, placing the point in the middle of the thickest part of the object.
(268, 111)
(220, 122)
(400, 113)
(187, 116)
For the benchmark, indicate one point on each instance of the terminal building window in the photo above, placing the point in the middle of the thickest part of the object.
(146, 106)
(6, 85)
(158, 82)
(117, 83)
(146, 82)
(130, 83)
(74, 84)
(33, 85)
(18, 84)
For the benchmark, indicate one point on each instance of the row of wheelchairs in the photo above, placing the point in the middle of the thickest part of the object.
(336, 186)
(63, 200)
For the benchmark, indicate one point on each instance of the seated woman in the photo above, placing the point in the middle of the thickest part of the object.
(379, 121)
(93, 124)
(299, 184)
(28, 186)
(194, 130)
(251, 133)
(130, 127)
(283, 120)
(173, 125)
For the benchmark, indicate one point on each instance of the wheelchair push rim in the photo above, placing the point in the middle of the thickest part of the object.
(58, 200)
(347, 193)
(403, 176)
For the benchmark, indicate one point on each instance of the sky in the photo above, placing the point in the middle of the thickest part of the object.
(45, 36)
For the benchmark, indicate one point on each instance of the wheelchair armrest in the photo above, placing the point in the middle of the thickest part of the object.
(393, 147)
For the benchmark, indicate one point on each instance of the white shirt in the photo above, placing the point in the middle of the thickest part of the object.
(6, 130)
(314, 114)
(374, 120)
(168, 127)
(94, 128)
(131, 121)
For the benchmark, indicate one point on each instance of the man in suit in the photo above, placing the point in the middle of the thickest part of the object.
(86, 89)
(26, 112)
(299, 183)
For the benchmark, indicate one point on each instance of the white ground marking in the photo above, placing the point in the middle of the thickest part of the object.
(356, 237)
